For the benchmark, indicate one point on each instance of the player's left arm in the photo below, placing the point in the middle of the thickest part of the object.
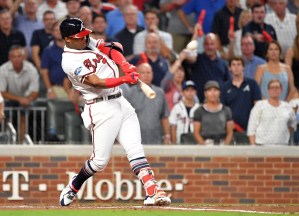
(115, 51)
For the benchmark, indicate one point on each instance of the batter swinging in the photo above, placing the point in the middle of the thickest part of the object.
(107, 114)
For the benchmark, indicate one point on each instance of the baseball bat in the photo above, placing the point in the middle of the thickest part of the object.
(148, 91)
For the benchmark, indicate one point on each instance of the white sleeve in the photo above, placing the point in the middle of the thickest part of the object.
(1, 98)
(172, 117)
(169, 41)
(254, 118)
(292, 121)
(138, 45)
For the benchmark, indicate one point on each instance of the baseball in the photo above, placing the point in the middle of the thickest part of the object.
(192, 45)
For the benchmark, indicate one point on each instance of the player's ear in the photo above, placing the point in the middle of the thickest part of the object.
(67, 39)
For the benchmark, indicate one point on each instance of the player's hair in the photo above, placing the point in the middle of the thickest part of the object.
(99, 16)
(273, 81)
(236, 58)
(257, 5)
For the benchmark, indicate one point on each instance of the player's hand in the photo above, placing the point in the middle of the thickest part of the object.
(131, 78)
(128, 68)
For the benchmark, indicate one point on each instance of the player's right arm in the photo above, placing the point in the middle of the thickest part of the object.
(96, 82)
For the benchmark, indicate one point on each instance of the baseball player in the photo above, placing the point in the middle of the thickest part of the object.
(107, 114)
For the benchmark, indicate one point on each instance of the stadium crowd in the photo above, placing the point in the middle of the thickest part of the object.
(238, 85)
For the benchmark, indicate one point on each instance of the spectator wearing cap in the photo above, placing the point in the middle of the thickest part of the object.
(57, 6)
(181, 116)
(213, 122)
(271, 120)
(240, 94)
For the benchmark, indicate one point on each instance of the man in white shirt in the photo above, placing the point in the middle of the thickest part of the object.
(152, 22)
(284, 24)
(181, 116)
(58, 7)
(272, 120)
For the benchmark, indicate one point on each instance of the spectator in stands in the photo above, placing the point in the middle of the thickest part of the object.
(152, 22)
(6, 5)
(153, 57)
(72, 7)
(2, 115)
(221, 21)
(262, 33)
(235, 40)
(173, 81)
(213, 121)
(196, 6)
(152, 114)
(28, 22)
(181, 116)
(8, 36)
(294, 103)
(293, 6)
(292, 60)
(58, 7)
(180, 34)
(274, 69)
(41, 38)
(127, 34)
(116, 20)
(99, 7)
(19, 82)
(271, 120)
(251, 61)
(51, 70)
(284, 24)
(208, 66)
(99, 26)
(85, 14)
(247, 4)
(240, 94)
